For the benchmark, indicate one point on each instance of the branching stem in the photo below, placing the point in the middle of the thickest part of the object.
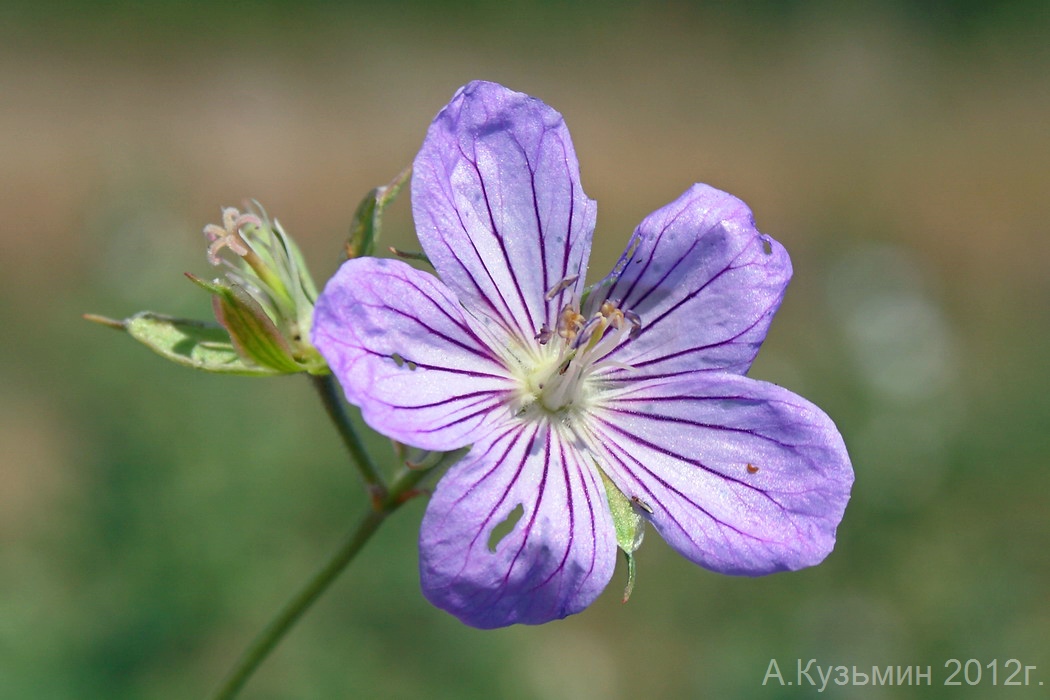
(385, 500)
(402, 489)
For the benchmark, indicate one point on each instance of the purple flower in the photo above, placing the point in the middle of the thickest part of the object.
(552, 385)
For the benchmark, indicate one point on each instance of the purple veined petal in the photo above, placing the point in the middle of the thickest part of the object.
(558, 557)
(499, 208)
(704, 282)
(741, 476)
(404, 352)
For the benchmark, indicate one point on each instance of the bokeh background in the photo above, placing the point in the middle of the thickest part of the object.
(153, 518)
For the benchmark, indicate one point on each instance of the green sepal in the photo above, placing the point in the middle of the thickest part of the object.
(252, 331)
(198, 344)
(367, 223)
(362, 239)
(629, 525)
(298, 281)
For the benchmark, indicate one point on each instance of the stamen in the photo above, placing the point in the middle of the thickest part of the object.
(612, 312)
(591, 330)
(561, 286)
(570, 323)
(559, 382)
(609, 342)
(636, 323)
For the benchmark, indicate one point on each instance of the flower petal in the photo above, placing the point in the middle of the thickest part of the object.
(741, 476)
(556, 559)
(403, 351)
(704, 282)
(499, 208)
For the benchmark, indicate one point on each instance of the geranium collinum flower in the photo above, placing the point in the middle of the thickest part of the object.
(640, 378)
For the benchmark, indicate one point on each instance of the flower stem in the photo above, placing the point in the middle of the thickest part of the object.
(330, 396)
(402, 489)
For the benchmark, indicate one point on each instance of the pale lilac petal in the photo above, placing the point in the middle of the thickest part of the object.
(704, 282)
(499, 208)
(559, 555)
(405, 353)
(742, 476)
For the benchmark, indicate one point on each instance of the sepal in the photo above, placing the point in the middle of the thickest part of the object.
(252, 332)
(629, 524)
(367, 223)
(198, 344)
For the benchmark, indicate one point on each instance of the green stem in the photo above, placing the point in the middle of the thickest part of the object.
(331, 397)
(400, 491)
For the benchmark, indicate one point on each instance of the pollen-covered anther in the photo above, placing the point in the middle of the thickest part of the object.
(612, 314)
(606, 329)
(570, 323)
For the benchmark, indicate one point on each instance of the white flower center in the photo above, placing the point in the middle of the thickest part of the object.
(559, 381)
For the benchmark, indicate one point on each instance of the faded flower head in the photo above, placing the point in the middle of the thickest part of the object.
(627, 397)
(266, 301)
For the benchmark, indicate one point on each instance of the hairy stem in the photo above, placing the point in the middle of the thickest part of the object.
(328, 389)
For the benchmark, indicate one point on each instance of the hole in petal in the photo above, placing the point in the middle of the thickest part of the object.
(505, 527)
(767, 247)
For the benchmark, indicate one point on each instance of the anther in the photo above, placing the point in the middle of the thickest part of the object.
(636, 323)
(570, 323)
(612, 313)
(561, 286)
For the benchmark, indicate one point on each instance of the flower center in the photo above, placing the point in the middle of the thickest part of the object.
(558, 383)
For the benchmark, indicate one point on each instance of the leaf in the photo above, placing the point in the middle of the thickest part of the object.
(197, 344)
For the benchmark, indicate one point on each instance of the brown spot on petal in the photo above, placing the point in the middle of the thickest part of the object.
(751, 468)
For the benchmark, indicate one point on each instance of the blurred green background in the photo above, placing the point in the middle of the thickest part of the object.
(153, 518)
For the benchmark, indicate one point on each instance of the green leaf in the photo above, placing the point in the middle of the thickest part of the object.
(197, 344)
